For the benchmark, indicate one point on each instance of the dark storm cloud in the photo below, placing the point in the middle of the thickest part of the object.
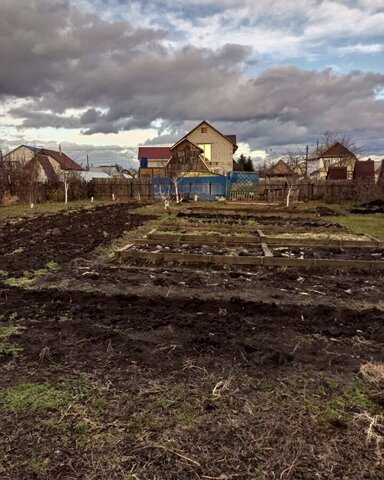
(44, 43)
(120, 78)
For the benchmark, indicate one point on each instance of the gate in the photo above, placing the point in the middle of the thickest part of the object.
(242, 185)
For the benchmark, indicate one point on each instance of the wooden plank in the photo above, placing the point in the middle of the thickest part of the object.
(267, 252)
(150, 233)
(252, 260)
(374, 239)
(126, 247)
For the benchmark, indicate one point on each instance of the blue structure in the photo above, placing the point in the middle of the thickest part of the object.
(235, 185)
(206, 188)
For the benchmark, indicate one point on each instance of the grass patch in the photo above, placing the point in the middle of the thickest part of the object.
(33, 396)
(371, 224)
(9, 348)
(343, 403)
(29, 278)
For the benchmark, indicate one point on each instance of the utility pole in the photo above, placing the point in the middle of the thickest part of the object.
(306, 160)
(87, 162)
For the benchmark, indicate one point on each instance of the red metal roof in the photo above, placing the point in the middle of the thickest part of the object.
(155, 153)
(64, 161)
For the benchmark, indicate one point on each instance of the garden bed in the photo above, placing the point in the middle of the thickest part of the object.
(340, 253)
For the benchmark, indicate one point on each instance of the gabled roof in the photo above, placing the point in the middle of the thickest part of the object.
(230, 138)
(62, 159)
(45, 164)
(337, 150)
(280, 169)
(185, 140)
(201, 157)
(155, 153)
(33, 149)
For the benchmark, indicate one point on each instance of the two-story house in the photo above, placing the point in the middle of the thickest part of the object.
(214, 149)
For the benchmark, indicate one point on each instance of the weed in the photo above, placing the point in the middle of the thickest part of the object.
(33, 396)
(6, 332)
(3, 274)
(52, 266)
(10, 349)
(81, 427)
(20, 282)
(39, 465)
(340, 407)
(29, 278)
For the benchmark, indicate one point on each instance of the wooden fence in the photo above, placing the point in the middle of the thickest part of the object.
(122, 188)
(324, 190)
(270, 190)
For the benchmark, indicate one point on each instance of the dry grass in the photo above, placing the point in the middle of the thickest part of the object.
(373, 374)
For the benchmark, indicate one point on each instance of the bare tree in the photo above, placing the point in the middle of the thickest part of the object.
(68, 177)
(296, 161)
(330, 138)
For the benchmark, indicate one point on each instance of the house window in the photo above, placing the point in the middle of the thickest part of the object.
(204, 130)
(207, 148)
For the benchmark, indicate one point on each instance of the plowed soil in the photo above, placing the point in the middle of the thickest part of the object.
(28, 244)
(159, 372)
(271, 220)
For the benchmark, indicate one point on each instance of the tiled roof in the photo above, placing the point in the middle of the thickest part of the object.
(62, 159)
(154, 153)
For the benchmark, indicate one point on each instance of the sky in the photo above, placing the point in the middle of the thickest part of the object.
(102, 77)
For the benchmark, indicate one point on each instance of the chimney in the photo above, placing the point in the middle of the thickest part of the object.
(60, 148)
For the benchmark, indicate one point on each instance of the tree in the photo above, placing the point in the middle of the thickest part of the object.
(245, 163)
(296, 161)
(68, 177)
(330, 138)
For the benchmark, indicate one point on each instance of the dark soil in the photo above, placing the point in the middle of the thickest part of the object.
(114, 372)
(342, 253)
(29, 244)
(376, 206)
(165, 386)
(199, 249)
(271, 220)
